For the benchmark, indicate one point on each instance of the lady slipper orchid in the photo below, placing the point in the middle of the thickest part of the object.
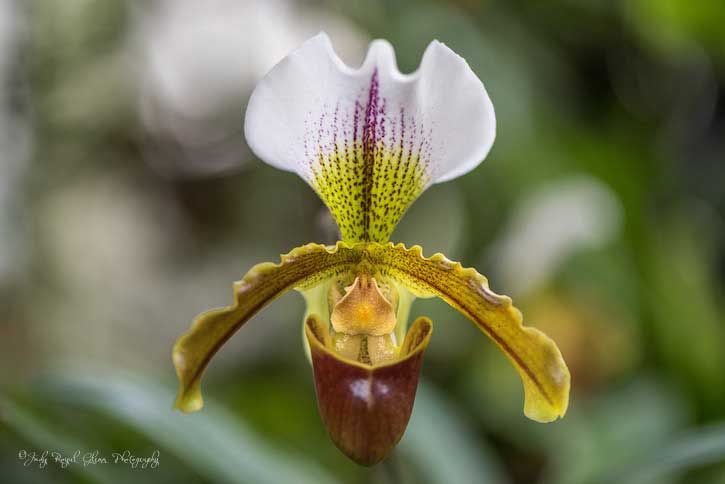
(369, 141)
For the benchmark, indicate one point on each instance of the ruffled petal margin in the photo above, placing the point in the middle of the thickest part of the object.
(535, 356)
(303, 267)
(370, 140)
(544, 374)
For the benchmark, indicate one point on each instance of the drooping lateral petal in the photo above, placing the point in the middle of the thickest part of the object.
(536, 358)
(303, 267)
(370, 140)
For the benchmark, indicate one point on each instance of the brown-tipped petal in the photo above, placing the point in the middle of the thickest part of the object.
(537, 359)
(303, 267)
(366, 408)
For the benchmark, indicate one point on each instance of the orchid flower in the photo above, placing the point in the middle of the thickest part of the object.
(369, 141)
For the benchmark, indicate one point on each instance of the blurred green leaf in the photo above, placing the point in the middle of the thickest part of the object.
(444, 446)
(43, 436)
(675, 27)
(696, 448)
(687, 318)
(212, 442)
(610, 431)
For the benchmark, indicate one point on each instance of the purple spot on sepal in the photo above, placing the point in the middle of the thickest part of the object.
(368, 159)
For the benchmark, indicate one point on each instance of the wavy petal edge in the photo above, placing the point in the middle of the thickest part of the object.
(370, 140)
(211, 329)
(545, 376)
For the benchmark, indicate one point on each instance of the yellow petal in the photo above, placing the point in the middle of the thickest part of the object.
(303, 267)
(536, 358)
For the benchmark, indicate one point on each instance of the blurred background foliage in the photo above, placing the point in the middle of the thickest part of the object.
(129, 202)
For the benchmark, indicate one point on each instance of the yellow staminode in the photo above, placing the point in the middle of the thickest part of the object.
(363, 310)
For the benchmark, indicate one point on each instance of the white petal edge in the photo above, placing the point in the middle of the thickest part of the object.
(449, 100)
